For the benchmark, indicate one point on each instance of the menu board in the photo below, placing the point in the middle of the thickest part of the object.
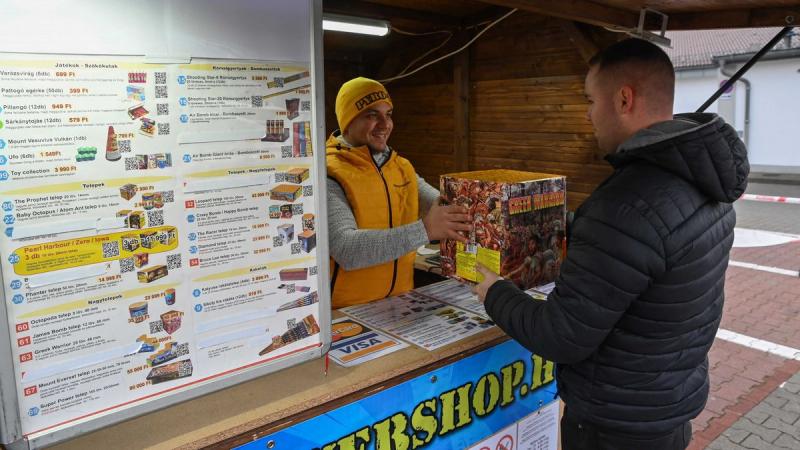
(159, 227)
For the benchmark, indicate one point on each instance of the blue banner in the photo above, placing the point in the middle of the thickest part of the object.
(449, 408)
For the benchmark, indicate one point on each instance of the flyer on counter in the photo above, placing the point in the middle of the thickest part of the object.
(159, 226)
(353, 343)
(456, 293)
(419, 319)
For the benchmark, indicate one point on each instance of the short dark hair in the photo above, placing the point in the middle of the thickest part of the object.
(639, 62)
(632, 50)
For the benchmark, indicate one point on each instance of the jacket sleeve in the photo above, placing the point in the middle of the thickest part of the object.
(614, 254)
(354, 248)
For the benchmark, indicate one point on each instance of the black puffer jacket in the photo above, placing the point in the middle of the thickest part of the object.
(639, 298)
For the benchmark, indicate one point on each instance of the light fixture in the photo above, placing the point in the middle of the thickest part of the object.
(359, 25)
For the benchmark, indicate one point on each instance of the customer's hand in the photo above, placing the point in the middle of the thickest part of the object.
(489, 278)
(447, 222)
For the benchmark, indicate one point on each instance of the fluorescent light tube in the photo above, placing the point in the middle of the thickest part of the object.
(359, 25)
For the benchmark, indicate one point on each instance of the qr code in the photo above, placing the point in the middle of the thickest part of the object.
(155, 218)
(168, 196)
(110, 249)
(162, 109)
(297, 210)
(126, 265)
(290, 289)
(174, 261)
(278, 82)
(124, 145)
(286, 151)
(305, 105)
(296, 248)
(163, 129)
(277, 241)
(131, 164)
(156, 327)
(257, 101)
(308, 191)
(161, 77)
(161, 92)
(182, 349)
(312, 270)
(280, 177)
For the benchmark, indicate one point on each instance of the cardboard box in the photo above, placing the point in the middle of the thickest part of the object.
(152, 274)
(287, 231)
(297, 175)
(135, 220)
(286, 192)
(127, 191)
(308, 222)
(518, 225)
(308, 240)
(293, 274)
(130, 242)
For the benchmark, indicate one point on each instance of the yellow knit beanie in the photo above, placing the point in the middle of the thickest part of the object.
(356, 95)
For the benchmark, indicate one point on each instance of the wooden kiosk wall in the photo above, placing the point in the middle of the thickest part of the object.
(518, 104)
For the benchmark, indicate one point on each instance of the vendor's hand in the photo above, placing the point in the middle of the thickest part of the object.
(489, 278)
(447, 222)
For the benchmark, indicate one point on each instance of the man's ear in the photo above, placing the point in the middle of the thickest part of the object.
(625, 99)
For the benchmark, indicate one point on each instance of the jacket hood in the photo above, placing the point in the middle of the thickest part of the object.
(699, 147)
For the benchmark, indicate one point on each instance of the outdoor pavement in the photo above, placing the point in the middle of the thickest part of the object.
(754, 363)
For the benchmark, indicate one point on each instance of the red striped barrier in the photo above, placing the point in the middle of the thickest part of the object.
(770, 198)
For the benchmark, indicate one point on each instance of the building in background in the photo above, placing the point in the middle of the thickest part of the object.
(762, 106)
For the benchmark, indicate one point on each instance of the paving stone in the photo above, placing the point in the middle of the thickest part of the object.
(722, 443)
(787, 441)
(776, 402)
(767, 434)
(756, 415)
(775, 424)
(736, 435)
(757, 443)
(794, 388)
(786, 416)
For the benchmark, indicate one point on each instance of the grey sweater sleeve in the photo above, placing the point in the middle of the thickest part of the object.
(355, 248)
(428, 196)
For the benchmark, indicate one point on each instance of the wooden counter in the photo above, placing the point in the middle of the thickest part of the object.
(239, 414)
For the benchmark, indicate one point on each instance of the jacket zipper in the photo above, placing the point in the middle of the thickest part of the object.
(389, 204)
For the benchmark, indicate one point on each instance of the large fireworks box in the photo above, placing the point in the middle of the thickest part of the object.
(518, 225)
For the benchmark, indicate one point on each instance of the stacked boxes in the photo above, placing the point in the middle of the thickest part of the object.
(518, 225)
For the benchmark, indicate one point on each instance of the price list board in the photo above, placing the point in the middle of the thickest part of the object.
(159, 228)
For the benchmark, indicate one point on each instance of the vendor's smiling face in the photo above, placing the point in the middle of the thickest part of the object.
(371, 127)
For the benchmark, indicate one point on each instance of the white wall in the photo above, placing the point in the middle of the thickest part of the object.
(774, 116)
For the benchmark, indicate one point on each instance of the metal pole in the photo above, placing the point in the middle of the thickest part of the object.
(745, 68)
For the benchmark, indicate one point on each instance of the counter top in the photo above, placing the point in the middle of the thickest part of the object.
(236, 415)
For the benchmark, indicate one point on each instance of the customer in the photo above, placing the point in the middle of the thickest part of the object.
(639, 297)
(375, 201)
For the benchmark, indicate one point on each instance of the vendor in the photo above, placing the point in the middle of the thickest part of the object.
(379, 210)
